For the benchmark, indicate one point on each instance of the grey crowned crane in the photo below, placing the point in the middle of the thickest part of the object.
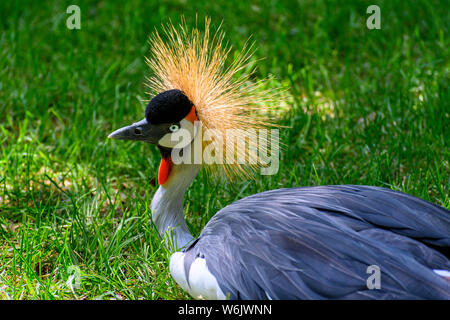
(294, 243)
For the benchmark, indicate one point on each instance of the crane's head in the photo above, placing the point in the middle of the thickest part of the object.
(190, 82)
(166, 114)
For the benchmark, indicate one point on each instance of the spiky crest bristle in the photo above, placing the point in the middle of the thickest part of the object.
(224, 97)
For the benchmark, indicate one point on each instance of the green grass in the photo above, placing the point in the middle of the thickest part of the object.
(366, 107)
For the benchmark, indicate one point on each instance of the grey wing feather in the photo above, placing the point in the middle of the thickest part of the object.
(317, 242)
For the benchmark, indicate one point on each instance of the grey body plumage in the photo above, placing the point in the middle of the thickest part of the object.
(317, 242)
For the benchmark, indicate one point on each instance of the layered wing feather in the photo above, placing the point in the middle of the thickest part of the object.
(317, 243)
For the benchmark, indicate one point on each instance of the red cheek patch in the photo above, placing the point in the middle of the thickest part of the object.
(164, 170)
(192, 117)
(166, 163)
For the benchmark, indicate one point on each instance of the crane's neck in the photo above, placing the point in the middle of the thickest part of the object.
(167, 205)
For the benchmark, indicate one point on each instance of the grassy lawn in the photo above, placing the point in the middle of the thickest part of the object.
(365, 107)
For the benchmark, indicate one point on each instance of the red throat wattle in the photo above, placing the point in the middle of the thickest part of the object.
(164, 170)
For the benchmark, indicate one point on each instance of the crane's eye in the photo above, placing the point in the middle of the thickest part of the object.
(138, 131)
(174, 128)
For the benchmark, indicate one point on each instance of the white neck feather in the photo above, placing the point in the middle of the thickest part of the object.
(167, 205)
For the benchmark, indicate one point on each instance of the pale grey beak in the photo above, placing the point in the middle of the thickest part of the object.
(139, 131)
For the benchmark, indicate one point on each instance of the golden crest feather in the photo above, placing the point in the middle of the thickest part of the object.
(224, 96)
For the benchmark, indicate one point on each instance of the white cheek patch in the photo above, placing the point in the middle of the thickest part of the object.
(181, 138)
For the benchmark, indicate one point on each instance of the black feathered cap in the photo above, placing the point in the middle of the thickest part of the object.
(167, 107)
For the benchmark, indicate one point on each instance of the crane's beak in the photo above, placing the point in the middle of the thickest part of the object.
(139, 131)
